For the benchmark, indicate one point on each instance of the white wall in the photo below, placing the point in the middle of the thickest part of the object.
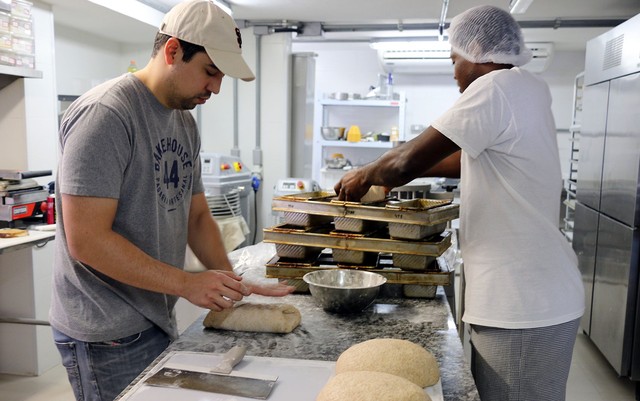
(84, 60)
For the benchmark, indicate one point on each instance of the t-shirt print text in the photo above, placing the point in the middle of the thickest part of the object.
(173, 172)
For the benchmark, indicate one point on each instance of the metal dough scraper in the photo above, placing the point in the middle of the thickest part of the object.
(211, 382)
(218, 380)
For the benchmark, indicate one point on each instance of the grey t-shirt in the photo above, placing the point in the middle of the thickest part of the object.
(119, 142)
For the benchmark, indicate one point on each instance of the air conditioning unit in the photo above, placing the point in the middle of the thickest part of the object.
(542, 55)
(435, 60)
(416, 61)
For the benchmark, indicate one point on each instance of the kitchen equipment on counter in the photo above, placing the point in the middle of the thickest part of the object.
(291, 186)
(344, 291)
(332, 133)
(420, 227)
(21, 195)
(227, 187)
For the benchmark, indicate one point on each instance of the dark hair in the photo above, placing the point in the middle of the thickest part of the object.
(188, 49)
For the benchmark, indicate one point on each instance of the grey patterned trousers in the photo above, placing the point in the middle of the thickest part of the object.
(522, 364)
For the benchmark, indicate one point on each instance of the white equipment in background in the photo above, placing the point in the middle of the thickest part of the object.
(227, 186)
(290, 186)
(433, 57)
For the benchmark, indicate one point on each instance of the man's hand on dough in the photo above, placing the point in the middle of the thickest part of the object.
(214, 289)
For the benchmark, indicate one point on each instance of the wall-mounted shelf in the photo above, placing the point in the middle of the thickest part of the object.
(9, 74)
(372, 116)
(363, 144)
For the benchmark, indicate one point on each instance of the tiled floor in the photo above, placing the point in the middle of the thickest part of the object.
(590, 379)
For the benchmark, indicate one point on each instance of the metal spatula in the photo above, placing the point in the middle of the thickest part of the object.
(213, 383)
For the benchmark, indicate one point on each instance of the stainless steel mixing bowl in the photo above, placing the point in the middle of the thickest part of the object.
(343, 290)
(332, 133)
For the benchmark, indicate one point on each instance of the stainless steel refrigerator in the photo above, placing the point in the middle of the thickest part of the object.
(607, 215)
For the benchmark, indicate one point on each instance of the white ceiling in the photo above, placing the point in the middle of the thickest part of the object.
(387, 14)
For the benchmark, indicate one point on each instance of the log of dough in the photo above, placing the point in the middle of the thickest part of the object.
(247, 316)
(367, 386)
(374, 194)
(398, 357)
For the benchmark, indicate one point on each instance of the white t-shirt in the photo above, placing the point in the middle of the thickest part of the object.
(519, 269)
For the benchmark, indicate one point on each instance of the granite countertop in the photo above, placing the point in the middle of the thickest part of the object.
(324, 336)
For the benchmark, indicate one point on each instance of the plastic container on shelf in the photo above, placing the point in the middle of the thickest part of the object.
(23, 45)
(21, 8)
(21, 27)
(5, 41)
(5, 22)
(25, 60)
(7, 58)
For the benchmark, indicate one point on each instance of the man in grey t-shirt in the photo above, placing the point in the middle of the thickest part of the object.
(131, 199)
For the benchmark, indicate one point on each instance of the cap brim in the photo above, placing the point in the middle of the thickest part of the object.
(231, 64)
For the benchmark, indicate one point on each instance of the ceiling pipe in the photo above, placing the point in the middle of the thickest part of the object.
(555, 23)
(443, 17)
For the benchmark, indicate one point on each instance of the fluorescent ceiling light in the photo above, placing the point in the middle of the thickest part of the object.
(519, 6)
(412, 45)
(133, 9)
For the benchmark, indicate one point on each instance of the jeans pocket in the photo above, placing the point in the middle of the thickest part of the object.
(124, 341)
(69, 356)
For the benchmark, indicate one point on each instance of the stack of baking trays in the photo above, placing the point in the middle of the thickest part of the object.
(400, 239)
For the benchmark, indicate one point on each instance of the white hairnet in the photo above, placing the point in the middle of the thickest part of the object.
(487, 34)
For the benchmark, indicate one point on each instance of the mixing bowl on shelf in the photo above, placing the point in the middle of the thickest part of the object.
(332, 133)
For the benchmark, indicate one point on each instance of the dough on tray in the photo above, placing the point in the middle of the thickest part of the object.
(366, 386)
(374, 194)
(398, 357)
(247, 316)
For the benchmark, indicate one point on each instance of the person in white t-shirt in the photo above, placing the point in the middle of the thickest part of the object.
(524, 294)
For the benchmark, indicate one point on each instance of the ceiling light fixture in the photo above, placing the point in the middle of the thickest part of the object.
(519, 6)
(418, 44)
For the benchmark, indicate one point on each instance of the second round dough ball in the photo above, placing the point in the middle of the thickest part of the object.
(398, 357)
(366, 386)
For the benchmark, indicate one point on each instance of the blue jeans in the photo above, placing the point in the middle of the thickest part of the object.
(99, 371)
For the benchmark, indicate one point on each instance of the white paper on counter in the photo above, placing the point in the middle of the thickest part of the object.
(298, 379)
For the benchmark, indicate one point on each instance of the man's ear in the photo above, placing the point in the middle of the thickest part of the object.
(171, 50)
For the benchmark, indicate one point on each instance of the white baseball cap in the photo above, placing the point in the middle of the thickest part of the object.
(204, 24)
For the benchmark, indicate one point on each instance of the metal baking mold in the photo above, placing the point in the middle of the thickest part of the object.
(297, 251)
(376, 242)
(415, 211)
(276, 268)
(414, 231)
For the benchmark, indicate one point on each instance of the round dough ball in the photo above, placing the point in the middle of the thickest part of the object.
(397, 357)
(367, 386)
